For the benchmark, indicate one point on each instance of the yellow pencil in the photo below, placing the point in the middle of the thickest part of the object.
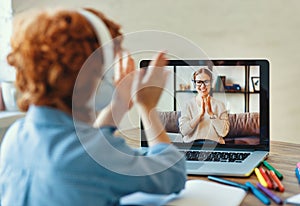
(260, 178)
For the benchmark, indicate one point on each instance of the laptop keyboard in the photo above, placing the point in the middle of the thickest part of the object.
(215, 156)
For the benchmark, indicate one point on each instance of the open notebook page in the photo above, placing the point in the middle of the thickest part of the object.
(196, 192)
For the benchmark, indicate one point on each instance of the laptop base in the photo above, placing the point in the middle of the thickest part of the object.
(243, 169)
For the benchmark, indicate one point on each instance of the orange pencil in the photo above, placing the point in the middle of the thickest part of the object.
(275, 186)
(275, 178)
(265, 176)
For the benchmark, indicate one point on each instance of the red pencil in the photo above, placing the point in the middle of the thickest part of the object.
(275, 186)
(275, 178)
(263, 173)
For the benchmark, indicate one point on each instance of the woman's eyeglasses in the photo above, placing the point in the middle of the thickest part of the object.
(200, 82)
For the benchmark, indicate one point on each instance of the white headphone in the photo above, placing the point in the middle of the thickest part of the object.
(106, 88)
(103, 36)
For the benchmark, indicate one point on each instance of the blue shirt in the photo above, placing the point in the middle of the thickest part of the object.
(46, 160)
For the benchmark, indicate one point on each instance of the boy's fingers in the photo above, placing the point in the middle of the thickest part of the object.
(159, 61)
(138, 77)
(130, 65)
(118, 69)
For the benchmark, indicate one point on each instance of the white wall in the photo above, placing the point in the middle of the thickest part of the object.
(223, 29)
(6, 15)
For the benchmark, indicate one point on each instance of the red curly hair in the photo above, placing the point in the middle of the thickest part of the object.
(49, 48)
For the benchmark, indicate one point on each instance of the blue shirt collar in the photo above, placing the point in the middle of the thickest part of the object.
(45, 114)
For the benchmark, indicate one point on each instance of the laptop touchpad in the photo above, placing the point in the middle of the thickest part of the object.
(193, 166)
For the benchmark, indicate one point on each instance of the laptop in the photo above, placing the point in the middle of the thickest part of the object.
(243, 87)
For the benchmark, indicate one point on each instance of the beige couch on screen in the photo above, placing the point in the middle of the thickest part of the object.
(244, 127)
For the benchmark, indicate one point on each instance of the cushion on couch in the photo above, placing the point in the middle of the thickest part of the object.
(243, 125)
(170, 120)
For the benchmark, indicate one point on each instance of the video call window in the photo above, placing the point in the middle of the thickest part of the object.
(234, 92)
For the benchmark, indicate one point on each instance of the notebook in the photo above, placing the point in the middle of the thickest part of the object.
(196, 192)
(293, 200)
(239, 91)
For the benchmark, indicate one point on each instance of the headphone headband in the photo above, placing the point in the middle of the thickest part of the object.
(103, 36)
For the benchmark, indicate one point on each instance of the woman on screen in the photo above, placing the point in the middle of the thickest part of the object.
(204, 117)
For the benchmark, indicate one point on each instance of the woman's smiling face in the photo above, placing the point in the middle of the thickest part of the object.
(203, 84)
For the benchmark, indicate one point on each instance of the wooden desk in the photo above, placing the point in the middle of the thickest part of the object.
(283, 156)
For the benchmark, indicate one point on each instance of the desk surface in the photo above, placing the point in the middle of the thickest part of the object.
(283, 156)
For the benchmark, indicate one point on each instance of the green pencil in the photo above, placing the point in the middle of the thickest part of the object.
(278, 174)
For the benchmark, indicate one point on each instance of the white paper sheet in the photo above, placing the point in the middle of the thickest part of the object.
(196, 192)
(294, 200)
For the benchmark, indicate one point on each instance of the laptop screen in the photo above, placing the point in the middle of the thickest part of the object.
(220, 102)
